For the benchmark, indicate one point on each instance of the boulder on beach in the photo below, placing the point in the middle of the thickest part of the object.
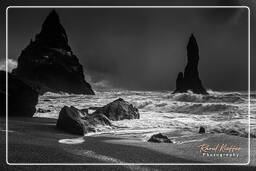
(70, 121)
(22, 99)
(48, 64)
(190, 79)
(75, 121)
(201, 130)
(159, 138)
(99, 119)
(119, 110)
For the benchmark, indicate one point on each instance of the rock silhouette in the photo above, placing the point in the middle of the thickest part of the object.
(22, 99)
(48, 63)
(190, 79)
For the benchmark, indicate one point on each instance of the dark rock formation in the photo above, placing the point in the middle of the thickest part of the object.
(75, 121)
(22, 99)
(159, 138)
(190, 80)
(48, 63)
(201, 130)
(70, 121)
(119, 110)
(99, 119)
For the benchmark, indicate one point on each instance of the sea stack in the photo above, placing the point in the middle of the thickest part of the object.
(190, 79)
(48, 64)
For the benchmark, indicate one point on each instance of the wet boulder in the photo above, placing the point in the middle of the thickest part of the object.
(118, 110)
(159, 138)
(100, 119)
(201, 130)
(75, 121)
(70, 121)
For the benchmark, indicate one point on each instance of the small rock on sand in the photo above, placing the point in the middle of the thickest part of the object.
(201, 130)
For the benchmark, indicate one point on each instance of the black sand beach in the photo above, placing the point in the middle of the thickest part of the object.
(36, 140)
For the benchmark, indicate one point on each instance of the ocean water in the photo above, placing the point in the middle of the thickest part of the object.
(162, 111)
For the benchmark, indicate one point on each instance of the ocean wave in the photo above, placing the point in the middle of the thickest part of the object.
(51, 95)
(229, 115)
(233, 128)
(204, 108)
(213, 97)
(57, 94)
(163, 111)
(142, 104)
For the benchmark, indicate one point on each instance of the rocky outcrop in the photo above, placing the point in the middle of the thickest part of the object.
(159, 138)
(22, 99)
(201, 130)
(190, 79)
(48, 63)
(75, 121)
(119, 110)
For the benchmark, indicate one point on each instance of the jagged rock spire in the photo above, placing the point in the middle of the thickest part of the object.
(192, 49)
(190, 79)
(48, 63)
(52, 32)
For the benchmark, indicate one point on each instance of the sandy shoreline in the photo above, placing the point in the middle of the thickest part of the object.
(36, 140)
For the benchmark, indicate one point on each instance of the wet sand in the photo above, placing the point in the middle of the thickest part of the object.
(36, 140)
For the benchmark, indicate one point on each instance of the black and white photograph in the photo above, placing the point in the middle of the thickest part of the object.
(128, 86)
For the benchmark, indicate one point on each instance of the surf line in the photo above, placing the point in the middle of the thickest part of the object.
(72, 141)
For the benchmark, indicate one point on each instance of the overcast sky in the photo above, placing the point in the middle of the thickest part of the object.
(146, 48)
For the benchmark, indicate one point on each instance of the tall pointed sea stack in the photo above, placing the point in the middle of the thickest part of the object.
(190, 80)
(48, 63)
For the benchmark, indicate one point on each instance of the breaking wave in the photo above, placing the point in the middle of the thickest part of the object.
(213, 97)
(233, 128)
(204, 108)
(220, 112)
(142, 104)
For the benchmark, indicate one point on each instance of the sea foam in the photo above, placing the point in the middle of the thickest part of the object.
(162, 111)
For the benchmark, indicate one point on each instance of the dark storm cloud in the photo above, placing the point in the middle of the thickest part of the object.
(145, 49)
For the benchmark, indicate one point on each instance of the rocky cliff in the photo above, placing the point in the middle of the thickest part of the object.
(22, 99)
(190, 79)
(48, 63)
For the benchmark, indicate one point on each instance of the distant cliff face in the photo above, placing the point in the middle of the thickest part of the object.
(190, 79)
(48, 63)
